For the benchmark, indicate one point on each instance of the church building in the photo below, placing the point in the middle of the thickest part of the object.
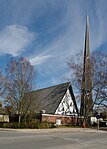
(56, 103)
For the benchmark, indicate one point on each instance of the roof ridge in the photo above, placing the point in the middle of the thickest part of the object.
(51, 86)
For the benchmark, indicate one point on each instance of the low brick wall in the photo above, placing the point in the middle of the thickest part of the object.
(60, 119)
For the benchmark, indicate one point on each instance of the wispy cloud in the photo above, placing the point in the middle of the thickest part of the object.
(40, 59)
(60, 25)
(98, 25)
(71, 40)
(14, 39)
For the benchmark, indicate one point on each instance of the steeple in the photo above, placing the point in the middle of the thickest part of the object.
(86, 85)
(87, 39)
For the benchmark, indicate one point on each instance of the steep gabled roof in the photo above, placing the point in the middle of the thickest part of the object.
(49, 98)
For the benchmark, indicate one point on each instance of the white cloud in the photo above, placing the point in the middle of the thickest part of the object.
(14, 39)
(71, 40)
(98, 26)
(40, 59)
(65, 32)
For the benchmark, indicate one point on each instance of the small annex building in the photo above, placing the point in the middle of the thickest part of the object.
(56, 103)
(4, 118)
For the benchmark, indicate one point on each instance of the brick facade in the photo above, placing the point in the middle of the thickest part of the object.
(60, 119)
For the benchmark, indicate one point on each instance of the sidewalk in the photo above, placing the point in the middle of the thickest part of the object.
(54, 130)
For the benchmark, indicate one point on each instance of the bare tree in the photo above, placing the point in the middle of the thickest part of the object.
(31, 105)
(3, 82)
(99, 75)
(20, 74)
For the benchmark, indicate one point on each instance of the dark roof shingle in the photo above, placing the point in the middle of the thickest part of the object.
(50, 98)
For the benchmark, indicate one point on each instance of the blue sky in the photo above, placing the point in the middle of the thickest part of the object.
(47, 32)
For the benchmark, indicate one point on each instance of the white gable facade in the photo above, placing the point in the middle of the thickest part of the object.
(66, 106)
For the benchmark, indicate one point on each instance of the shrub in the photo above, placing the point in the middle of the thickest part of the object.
(34, 124)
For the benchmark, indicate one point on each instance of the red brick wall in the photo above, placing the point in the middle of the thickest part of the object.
(64, 119)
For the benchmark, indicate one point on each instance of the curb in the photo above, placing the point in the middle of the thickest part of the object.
(65, 130)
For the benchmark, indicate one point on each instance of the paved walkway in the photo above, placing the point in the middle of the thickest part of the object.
(54, 130)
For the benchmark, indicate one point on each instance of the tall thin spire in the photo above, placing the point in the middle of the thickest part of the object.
(86, 86)
(87, 38)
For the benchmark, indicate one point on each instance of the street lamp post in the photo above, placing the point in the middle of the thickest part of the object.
(19, 118)
(84, 122)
